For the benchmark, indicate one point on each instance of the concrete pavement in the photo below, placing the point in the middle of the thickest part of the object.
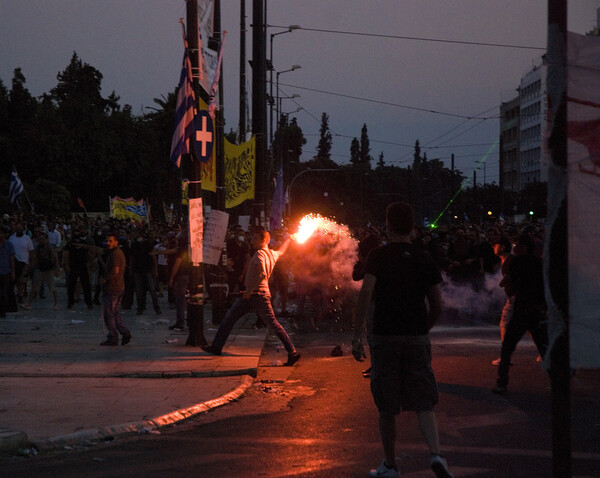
(60, 388)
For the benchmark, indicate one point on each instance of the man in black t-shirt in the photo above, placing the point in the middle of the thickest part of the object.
(398, 278)
(526, 273)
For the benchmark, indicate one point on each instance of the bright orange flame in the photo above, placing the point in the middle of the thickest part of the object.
(308, 225)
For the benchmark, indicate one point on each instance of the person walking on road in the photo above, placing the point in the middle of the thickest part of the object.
(526, 272)
(113, 287)
(257, 297)
(398, 277)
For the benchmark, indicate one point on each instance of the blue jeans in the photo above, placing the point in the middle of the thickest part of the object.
(261, 304)
(111, 310)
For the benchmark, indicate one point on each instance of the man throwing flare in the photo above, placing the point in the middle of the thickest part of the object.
(257, 297)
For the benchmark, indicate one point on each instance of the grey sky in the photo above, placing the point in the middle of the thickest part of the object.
(137, 46)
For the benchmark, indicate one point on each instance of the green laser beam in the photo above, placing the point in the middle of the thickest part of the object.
(481, 161)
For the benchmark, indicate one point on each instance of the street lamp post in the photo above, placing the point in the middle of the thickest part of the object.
(294, 67)
(271, 68)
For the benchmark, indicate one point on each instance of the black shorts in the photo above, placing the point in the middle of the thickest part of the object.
(401, 374)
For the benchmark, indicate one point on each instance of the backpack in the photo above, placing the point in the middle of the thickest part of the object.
(44, 257)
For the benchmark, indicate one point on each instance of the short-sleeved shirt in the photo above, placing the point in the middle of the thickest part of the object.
(404, 274)
(23, 245)
(115, 258)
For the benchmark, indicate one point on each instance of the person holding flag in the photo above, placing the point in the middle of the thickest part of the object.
(16, 188)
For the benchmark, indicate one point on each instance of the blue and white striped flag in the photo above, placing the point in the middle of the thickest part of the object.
(184, 128)
(140, 209)
(16, 187)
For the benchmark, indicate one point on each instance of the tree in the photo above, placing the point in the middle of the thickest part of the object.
(355, 152)
(324, 146)
(380, 162)
(365, 156)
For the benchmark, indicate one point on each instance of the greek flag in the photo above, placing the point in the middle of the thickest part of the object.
(184, 115)
(16, 187)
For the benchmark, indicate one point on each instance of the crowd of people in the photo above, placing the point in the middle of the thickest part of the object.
(45, 249)
(120, 260)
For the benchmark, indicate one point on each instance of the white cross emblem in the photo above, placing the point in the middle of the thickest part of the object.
(204, 136)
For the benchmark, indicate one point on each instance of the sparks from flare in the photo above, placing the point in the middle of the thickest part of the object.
(309, 224)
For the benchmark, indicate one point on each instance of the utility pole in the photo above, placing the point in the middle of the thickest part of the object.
(219, 118)
(195, 186)
(556, 258)
(259, 108)
(243, 95)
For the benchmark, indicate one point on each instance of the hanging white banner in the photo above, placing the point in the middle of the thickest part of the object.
(196, 221)
(214, 236)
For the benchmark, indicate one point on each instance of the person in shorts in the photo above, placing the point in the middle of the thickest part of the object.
(400, 278)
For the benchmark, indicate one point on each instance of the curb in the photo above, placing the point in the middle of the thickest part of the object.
(252, 371)
(85, 437)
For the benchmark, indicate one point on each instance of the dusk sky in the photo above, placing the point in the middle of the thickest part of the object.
(382, 81)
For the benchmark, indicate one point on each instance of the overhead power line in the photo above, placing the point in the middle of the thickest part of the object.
(403, 37)
(387, 103)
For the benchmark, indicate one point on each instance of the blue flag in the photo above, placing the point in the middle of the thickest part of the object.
(16, 187)
(278, 204)
(184, 128)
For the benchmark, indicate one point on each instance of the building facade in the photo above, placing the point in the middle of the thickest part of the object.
(521, 130)
(510, 179)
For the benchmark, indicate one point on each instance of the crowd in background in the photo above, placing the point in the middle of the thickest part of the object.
(465, 253)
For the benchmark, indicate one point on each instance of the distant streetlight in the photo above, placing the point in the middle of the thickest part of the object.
(271, 68)
(293, 68)
(292, 112)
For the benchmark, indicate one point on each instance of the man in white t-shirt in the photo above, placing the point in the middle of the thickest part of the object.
(23, 247)
(257, 297)
(54, 237)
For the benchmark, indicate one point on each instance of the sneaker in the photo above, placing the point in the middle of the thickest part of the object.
(25, 306)
(499, 390)
(176, 327)
(440, 467)
(110, 342)
(126, 339)
(292, 359)
(497, 362)
(384, 472)
(211, 349)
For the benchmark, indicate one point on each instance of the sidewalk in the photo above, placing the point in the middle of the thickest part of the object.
(59, 387)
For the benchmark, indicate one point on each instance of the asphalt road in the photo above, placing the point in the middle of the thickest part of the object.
(317, 419)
